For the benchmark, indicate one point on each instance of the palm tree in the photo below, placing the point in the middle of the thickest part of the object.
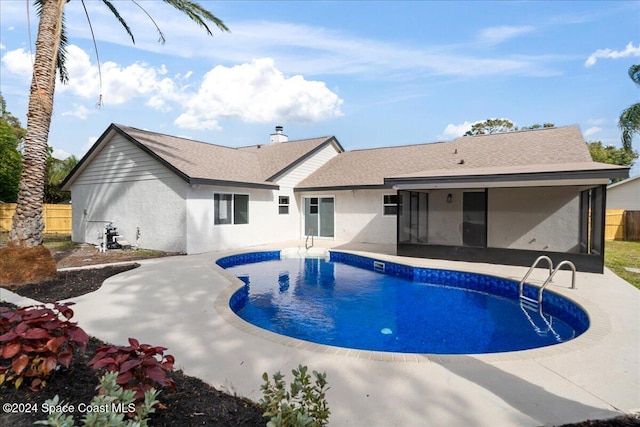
(629, 121)
(28, 226)
(56, 171)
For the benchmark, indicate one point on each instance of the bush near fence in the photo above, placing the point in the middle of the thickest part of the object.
(57, 218)
(622, 225)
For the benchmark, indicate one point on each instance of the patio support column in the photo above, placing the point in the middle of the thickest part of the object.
(598, 211)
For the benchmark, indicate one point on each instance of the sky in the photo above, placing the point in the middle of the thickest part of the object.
(371, 73)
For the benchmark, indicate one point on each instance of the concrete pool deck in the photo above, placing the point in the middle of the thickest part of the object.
(179, 303)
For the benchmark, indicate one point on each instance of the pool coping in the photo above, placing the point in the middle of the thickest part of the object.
(599, 323)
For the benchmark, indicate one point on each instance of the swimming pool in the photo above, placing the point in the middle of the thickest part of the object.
(358, 302)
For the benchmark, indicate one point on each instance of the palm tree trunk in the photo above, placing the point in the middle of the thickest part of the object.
(28, 226)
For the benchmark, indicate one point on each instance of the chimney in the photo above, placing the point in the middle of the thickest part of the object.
(274, 138)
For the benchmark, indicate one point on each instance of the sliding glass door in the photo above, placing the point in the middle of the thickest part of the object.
(319, 216)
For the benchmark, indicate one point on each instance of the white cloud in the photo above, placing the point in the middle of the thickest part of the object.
(254, 92)
(119, 83)
(18, 62)
(87, 145)
(257, 92)
(455, 131)
(497, 35)
(312, 50)
(60, 154)
(80, 112)
(592, 130)
(630, 50)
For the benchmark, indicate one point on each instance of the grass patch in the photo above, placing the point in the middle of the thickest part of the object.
(619, 254)
(58, 242)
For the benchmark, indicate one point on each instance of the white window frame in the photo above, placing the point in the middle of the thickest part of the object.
(232, 210)
(386, 205)
(282, 205)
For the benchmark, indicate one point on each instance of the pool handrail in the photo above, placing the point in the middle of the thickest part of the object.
(535, 263)
(573, 278)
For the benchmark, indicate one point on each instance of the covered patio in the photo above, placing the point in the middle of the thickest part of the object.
(506, 215)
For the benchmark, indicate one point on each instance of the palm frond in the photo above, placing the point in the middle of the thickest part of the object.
(198, 14)
(119, 18)
(634, 73)
(161, 38)
(95, 46)
(629, 124)
(61, 60)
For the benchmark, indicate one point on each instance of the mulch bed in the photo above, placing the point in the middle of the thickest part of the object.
(70, 284)
(194, 404)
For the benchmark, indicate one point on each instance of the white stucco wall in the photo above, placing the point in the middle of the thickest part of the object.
(624, 195)
(125, 185)
(265, 224)
(537, 218)
(156, 207)
(359, 215)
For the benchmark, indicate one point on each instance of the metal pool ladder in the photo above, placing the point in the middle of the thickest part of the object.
(306, 242)
(552, 272)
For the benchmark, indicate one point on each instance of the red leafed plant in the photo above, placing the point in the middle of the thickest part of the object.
(35, 341)
(140, 367)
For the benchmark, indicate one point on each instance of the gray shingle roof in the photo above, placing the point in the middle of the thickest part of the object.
(543, 149)
(534, 151)
(200, 161)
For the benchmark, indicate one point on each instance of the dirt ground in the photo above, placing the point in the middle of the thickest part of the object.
(84, 254)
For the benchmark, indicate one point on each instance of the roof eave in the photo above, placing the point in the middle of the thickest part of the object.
(223, 183)
(342, 187)
(529, 178)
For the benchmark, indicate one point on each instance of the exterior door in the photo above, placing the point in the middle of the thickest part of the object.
(319, 216)
(474, 219)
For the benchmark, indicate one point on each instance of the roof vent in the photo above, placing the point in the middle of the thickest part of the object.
(277, 137)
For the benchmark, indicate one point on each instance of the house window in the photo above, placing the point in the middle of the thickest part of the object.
(283, 205)
(390, 204)
(231, 208)
(313, 206)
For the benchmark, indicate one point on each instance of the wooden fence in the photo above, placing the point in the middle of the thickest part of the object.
(614, 224)
(622, 225)
(57, 218)
(632, 225)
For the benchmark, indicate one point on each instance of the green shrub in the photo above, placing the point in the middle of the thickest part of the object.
(304, 404)
(107, 409)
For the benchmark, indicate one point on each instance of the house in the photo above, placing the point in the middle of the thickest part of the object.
(624, 194)
(504, 198)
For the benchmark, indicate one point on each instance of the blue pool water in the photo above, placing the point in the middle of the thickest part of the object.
(350, 302)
